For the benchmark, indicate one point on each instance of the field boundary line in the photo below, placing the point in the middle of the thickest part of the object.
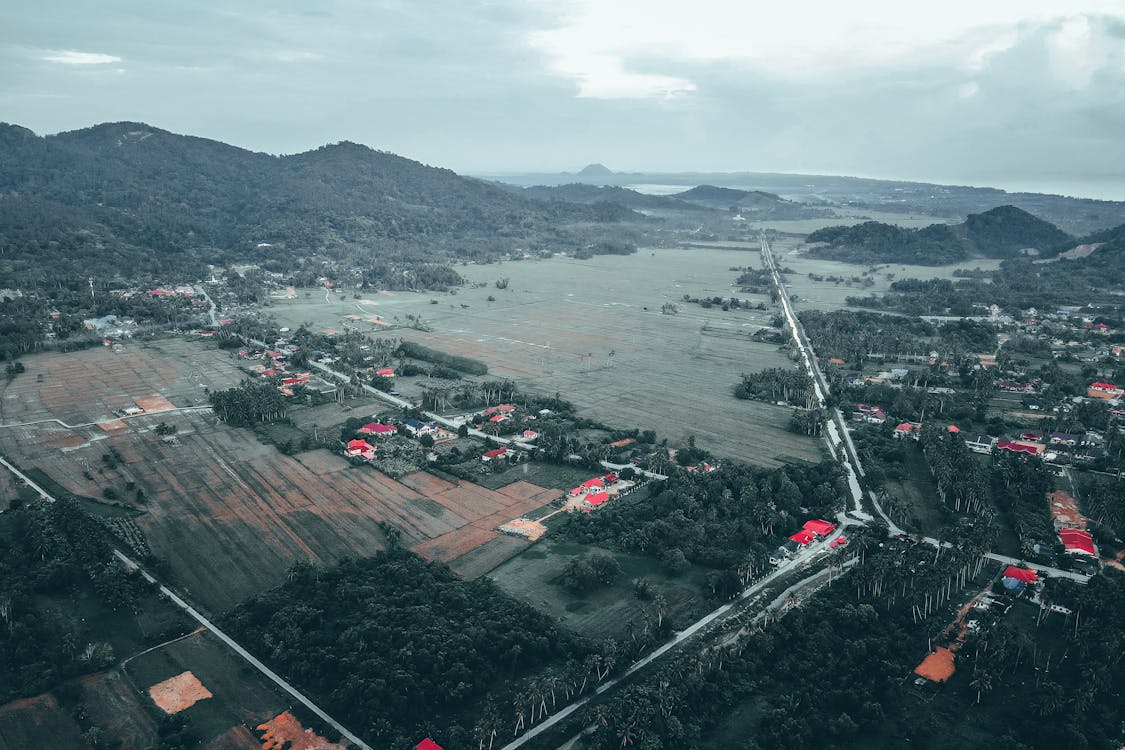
(208, 625)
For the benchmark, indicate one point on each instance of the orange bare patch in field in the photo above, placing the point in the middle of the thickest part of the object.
(284, 732)
(938, 666)
(533, 530)
(155, 403)
(178, 693)
(113, 426)
(1065, 511)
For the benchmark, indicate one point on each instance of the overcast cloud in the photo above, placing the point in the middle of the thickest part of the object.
(1007, 92)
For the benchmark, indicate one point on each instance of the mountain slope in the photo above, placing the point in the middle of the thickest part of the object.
(134, 193)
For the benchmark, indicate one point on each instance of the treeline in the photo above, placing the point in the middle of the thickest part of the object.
(857, 336)
(399, 649)
(425, 353)
(727, 521)
(775, 384)
(803, 681)
(1004, 487)
(53, 549)
(1001, 232)
(1018, 284)
(249, 403)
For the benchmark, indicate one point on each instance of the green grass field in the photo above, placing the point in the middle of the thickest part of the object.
(606, 612)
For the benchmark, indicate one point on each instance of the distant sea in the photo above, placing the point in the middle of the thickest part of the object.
(1098, 188)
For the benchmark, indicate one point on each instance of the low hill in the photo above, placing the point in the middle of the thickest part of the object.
(127, 195)
(578, 192)
(749, 204)
(1002, 232)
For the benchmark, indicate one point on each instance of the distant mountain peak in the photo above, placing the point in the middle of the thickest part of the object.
(595, 170)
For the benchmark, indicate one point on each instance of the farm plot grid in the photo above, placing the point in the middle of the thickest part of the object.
(229, 515)
(90, 385)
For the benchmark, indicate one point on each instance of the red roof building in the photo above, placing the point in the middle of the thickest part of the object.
(595, 483)
(839, 541)
(427, 744)
(495, 453)
(375, 428)
(803, 537)
(820, 528)
(1078, 542)
(1017, 447)
(597, 498)
(1020, 574)
(386, 372)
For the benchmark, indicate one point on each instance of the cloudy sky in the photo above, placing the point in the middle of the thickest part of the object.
(1019, 93)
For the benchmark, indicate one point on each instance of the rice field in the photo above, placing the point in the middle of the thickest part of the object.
(594, 332)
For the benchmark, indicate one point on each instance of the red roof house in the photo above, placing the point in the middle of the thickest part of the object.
(360, 448)
(1017, 447)
(427, 744)
(1078, 542)
(820, 528)
(597, 498)
(494, 453)
(803, 537)
(386, 372)
(595, 483)
(375, 428)
(1020, 574)
(839, 541)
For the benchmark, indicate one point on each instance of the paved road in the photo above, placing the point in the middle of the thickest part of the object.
(403, 403)
(211, 308)
(681, 637)
(61, 423)
(195, 615)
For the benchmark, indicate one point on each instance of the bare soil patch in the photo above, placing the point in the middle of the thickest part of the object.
(178, 693)
(284, 732)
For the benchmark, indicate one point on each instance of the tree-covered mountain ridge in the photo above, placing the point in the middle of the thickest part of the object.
(1002, 232)
(121, 194)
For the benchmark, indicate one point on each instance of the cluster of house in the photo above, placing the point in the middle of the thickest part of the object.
(870, 414)
(1087, 446)
(813, 530)
(360, 447)
(274, 364)
(183, 290)
(597, 491)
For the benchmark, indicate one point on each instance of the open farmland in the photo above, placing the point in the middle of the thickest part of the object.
(828, 295)
(593, 331)
(90, 385)
(230, 515)
(227, 514)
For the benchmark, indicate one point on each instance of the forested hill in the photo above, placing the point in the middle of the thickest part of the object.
(1002, 232)
(123, 195)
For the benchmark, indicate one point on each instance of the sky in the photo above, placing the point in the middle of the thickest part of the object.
(1011, 93)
